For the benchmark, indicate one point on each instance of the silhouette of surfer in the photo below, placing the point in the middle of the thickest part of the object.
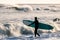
(36, 26)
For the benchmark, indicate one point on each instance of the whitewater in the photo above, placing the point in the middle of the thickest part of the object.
(13, 28)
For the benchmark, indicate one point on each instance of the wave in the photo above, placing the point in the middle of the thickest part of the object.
(15, 28)
(29, 8)
(18, 29)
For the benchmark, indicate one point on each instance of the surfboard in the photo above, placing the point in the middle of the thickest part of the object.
(41, 25)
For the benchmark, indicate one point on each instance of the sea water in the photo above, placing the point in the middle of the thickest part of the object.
(13, 28)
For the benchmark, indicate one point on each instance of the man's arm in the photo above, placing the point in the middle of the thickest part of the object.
(31, 23)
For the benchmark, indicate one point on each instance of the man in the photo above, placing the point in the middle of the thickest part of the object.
(36, 26)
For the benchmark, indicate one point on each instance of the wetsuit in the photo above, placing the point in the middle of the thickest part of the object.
(36, 27)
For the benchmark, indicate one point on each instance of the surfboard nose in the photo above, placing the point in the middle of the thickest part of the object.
(51, 27)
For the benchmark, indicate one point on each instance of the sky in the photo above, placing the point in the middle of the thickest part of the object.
(29, 1)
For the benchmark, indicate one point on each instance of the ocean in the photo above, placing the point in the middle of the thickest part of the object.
(13, 28)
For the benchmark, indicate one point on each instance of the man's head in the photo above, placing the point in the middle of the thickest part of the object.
(35, 18)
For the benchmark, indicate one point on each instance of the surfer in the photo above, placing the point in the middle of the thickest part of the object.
(36, 26)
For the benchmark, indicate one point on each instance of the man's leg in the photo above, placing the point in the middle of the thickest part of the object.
(38, 34)
(35, 32)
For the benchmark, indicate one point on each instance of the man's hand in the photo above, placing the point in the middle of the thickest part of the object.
(31, 23)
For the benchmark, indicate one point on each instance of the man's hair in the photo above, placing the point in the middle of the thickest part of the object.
(35, 17)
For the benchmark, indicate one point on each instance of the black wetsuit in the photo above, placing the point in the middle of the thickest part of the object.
(36, 27)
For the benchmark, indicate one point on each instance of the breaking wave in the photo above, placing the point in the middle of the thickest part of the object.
(18, 29)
